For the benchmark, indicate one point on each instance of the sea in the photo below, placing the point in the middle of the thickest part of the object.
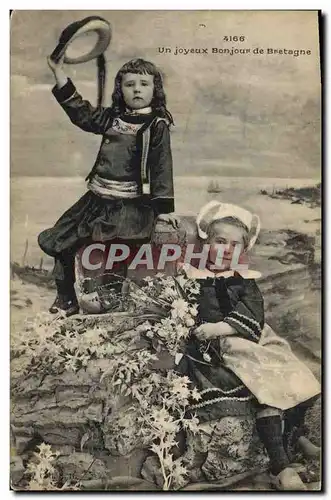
(37, 203)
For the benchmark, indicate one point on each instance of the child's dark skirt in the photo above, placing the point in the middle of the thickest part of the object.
(93, 218)
(223, 393)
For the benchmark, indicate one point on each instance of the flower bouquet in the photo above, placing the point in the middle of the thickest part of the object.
(170, 303)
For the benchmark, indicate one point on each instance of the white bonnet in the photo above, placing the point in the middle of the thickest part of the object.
(215, 210)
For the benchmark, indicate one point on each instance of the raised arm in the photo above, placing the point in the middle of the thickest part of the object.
(81, 112)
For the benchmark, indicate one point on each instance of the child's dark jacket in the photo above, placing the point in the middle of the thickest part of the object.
(133, 148)
(135, 154)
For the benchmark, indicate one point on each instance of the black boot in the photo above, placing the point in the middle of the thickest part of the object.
(62, 304)
(283, 477)
(66, 299)
(270, 432)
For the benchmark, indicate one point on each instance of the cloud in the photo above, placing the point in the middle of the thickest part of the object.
(230, 112)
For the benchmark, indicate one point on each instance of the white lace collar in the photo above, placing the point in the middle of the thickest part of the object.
(142, 111)
(193, 272)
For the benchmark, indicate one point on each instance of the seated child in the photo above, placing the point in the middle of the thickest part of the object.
(236, 360)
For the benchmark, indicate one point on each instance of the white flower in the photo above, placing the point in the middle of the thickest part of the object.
(163, 421)
(180, 388)
(168, 323)
(189, 321)
(181, 281)
(191, 424)
(193, 310)
(142, 328)
(168, 293)
(179, 308)
(206, 357)
(195, 394)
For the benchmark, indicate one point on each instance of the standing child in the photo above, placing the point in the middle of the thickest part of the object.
(131, 182)
(238, 363)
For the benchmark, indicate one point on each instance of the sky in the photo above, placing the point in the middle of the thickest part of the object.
(235, 115)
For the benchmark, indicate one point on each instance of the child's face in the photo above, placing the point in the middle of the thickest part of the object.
(228, 235)
(137, 90)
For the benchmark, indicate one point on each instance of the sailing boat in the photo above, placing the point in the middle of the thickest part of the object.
(214, 187)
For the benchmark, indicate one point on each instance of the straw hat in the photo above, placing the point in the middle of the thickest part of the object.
(77, 29)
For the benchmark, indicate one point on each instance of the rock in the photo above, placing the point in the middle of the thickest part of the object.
(74, 412)
(62, 436)
(27, 384)
(96, 368)
(218, 467)
(60, 415)
(165, 361)
(120, 483)
(224, 449)
(78, 466)
(236, 439)
(64, 449)
(165, 233)
(313, 422)
(22, 443)
(196, 452)
(66, 379)
(16, 470)
(121, 432)
(151, 471)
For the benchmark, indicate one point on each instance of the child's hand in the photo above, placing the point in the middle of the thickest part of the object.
(55, 66)
(208, 331)
(171, 218)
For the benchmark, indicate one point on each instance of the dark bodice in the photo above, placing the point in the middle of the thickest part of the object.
(134, 147)
(235, 300)
(118, 158)
(217, 297)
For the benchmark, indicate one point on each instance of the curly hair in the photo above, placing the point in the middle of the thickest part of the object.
(141, 67)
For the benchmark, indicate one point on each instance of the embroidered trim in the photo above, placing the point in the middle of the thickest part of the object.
(250, 323)
(242, 325)
(75, 94)
(146, 188)
(218, 400)
(230, 391)
(247, 318)
(144, 154)
(123, 127)
(146, 137)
